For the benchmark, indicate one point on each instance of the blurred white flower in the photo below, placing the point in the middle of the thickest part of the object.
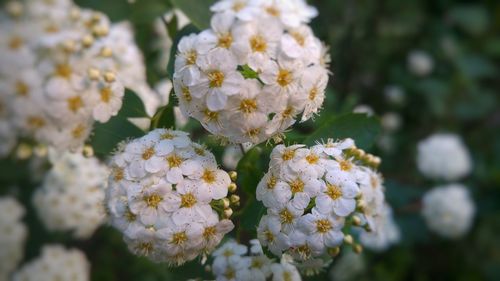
(348, 267)
(395, 94)
(384, 234)
(420, 63)
(363, 108)
(56, 263)
(231, 157)
(13, 235)
(255, 72)
(71, 196)
(443, 156)
(391, 121)
(163, 195)
(449, 210)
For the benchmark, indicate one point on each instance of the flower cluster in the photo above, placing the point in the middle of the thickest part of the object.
(250, 76)
(232, 263)
(168, 197)
(449, 210)
(312, 193)
(443, 156)
(63, 68)
(71, 196)
(13, 234)
(56, 263)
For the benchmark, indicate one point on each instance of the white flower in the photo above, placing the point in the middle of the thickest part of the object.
(71, 195)
(249, 77)
(322, 230)
(420, 63)
(338, 194)
(109, 102)
(285, 272)
(443, 156)
(394, 94)
(161, 191)
(449, 210)
(13, 236)
(56, 263)
(310, 192)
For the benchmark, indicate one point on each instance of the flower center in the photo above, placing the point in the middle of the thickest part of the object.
(148, 153)
(288, 112)
(323, 226)
(301, 40)
(211, 116)
(253, 133)
(188, 200)
(256, 263)
(118, 174)
(238, 6)
(297, 186)
(106, 94)
(145, 248)
(167, 136)
(174, 161)
(35, 122)
(271, 183)
(209, 232)
(75, 103)
(345, 165)
(374, 182)
(179, 238)
(273, 11)
(248, 105)
(186, 94)
(287, 276)
(288, 154)
(313, 93)
(191, 57)
(216, 78)
(286, 217)
(153, 200)
(15, 43)
(199, 151)
(63, 71)
(258, 44)
(284, 77)
(129, 216)
(225, 40)
(269, 236)
(333, 191)
(230, 274)
(312, 159)
(78, 131)
(22, 88)
(208, 176)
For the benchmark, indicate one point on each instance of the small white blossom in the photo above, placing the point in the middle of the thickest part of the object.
(420, 63)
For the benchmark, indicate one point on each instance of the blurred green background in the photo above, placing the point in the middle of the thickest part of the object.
(370, 41)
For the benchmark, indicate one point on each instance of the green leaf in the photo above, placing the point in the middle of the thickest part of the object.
(172, 26)
(198, 11)
(132, 106)
(106, 136)
(164, 117)
(471, 18)
(360, 127)
(187, 30)
(247, 72)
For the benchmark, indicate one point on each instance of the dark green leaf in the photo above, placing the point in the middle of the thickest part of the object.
(172, 26)
(471, 18)
(188, 29)
(165, 117)
(106, 136)
(132, 106)
(197, 11)
(360, 127)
